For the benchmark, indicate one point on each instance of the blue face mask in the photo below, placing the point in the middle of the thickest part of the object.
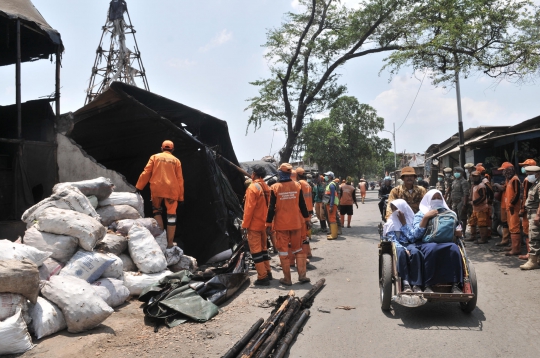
(440, 179)
(457, 175)
(523, 170)
(326, 178)
(419, 178)
(309, 180)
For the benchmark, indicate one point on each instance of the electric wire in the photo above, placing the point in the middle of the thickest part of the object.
(422, 82)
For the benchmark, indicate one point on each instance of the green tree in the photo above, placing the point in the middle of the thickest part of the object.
(346, 141)
(499, 37)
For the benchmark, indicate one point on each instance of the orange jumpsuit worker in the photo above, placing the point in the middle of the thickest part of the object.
(164, 172)
(523, 211)
(512, 202)
(255, 210)
(363, 188)
(286, 198)
(308, 198)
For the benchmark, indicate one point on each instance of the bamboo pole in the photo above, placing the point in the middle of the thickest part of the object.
(231, 353)
(289, 337)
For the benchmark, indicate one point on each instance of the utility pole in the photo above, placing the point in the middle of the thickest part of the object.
(394, 138)
(460, 121)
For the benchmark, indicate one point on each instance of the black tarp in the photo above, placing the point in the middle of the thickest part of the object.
(269, 166)
(125, 125)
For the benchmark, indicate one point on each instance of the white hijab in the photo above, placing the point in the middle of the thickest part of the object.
(425, 204)
(393, 223)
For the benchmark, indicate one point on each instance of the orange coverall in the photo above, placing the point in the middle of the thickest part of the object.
(513, 204)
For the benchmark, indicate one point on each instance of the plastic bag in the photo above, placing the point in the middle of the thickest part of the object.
(112, 291)
(47, 318)
(20, 277)
(14, 336)
(116, 269)
(145, 251)
(69, 198)
(88, 266)
(66, 222)
(13, 251)
(173, 255)
(62, 247)
(82, 307)
(127, 263)
(114, 244)
(50, 267)
(134, 200)
(112, 213)
(136, 282)
(123, 226)
(100, 187)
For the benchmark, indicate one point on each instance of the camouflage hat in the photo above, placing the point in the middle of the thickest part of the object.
(447, 170)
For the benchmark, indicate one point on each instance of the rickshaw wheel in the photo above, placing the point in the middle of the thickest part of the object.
(385, 283)
(469, 306)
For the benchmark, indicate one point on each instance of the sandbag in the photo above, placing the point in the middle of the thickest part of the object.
(100, 187)
(69, 198)
(93, 200)
(112, 213)
(50, 267)
(86, 265)
(47, 318)
(20, 277)
(116, 269)
(134, 200)
(12, 251)
(127, 263)
(9, 302)
(145, 251)
(123, 226)
(62, 247)
(112, 291)
(186, 263)
(86, 229)
(82, 307)
(14, 336)
(173, 255)
(114, 244)
(136, 282)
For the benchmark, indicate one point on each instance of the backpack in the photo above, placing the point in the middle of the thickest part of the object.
(441, 228)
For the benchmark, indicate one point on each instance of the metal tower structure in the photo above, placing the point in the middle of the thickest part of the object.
(118, 63)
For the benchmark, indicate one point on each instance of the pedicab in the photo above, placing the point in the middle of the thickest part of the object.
(390, 283)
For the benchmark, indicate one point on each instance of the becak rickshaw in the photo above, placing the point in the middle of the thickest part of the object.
(390, 283)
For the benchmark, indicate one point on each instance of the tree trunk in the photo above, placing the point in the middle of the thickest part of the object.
(285, 155)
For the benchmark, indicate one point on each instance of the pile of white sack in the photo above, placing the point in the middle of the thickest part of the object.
(85, 251)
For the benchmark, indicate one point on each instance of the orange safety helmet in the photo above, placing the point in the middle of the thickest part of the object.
(506, 165)
(167, 145)
(528, 163)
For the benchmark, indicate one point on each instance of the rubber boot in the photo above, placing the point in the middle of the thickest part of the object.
(306, 249)
(532, 264)
(473, 234)
(333, 232)
(159, 220)
(171, 229)
(516, 245)
(526, 256)
(505, 238)
(323, 226)
(286, 280)
(262, 275)
(301, 261)
(483, 236)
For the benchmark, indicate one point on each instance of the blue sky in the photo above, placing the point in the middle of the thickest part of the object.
(204, 53)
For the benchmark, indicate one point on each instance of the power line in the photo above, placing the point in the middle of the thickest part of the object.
(413, 101)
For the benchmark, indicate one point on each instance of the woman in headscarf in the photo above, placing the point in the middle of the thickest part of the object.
(410, 260)
(442, 262)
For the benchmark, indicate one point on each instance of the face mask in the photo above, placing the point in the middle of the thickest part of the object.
(419, 178)
(531, 178)
(309, 180)
(457, 175)
(326, 178)
(436, 203)
(440, 179)
(448, 175)
(523, 170)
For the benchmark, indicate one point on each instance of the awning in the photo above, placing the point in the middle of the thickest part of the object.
(455, 147)
(480, 140)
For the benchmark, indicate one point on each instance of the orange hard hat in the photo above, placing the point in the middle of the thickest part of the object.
(480, 168)
(167, 145)
(300, 171)
(285, 167)
(505, 165)
(528, 163)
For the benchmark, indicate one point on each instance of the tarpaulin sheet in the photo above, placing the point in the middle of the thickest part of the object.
(268, 166)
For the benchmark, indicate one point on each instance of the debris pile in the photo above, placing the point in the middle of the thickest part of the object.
(85, 251)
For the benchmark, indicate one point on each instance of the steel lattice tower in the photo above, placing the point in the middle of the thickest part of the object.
(119, 63)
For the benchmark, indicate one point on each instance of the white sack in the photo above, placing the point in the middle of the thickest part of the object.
(123, 226)
(136, 282)
(12, 251)
(100, 187)
(50, 267)
(47, 318)
(173, 255)
(93, 200)
(127, 263)
(82, 307)
(14, 336)
(186, 263)
(134, 200)
(112, 243)
(162, 241)
(112, 213)
(112, 291)
(62, 247)
(66, 222)
(86, 265)
(115, 270)
(145, 251)
(69, 198)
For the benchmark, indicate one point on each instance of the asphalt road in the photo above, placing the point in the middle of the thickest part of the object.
(506, 322)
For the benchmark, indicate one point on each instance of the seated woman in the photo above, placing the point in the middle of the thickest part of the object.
(410, 260)
(442, 261)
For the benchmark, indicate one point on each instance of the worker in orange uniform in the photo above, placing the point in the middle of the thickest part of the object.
(363, 189)
(480, 206)
(308, 199)
(164, 172)
(331, 200)
(347, 197)
(523, 211)
(286, 198)
(512, 202)
(255, 210)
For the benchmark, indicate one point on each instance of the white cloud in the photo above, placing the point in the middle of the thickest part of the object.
(181, 63)
(221, 38)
